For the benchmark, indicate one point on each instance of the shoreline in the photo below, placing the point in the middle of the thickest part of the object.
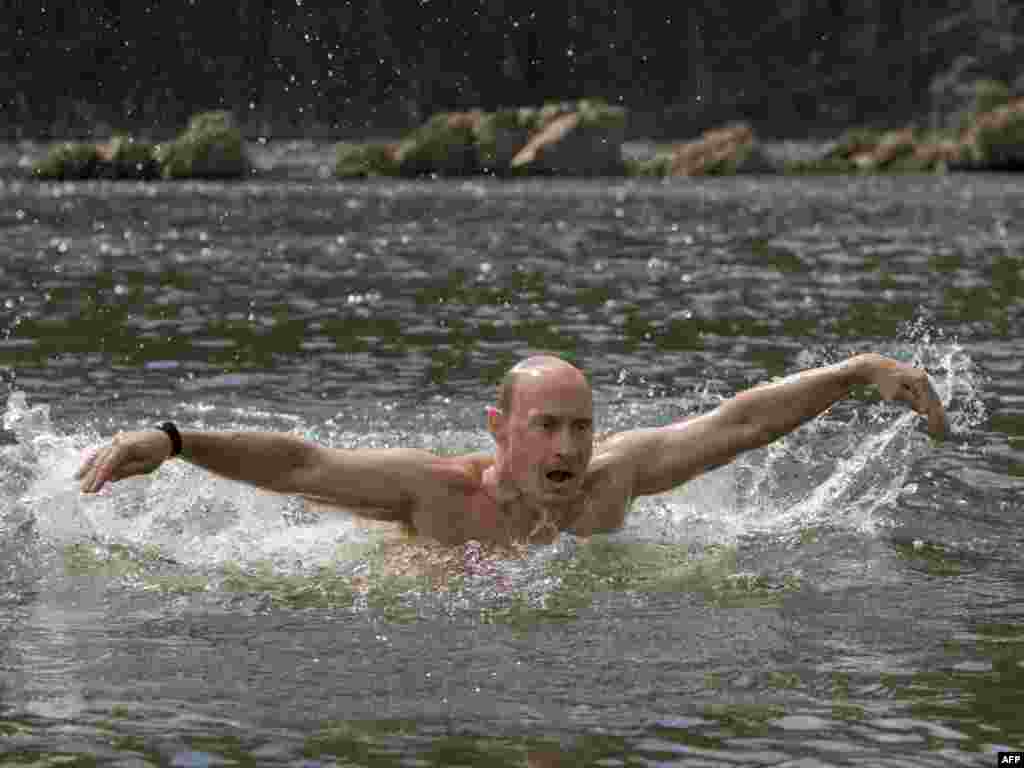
(314, 159)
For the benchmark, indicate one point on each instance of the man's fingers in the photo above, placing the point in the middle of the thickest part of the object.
(88, 462)
(935, 412)
(915, 389)
(110, 464)
(131, 469)
(922, 397)
(102, 469)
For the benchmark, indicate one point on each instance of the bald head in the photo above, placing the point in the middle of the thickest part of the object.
(535, 366)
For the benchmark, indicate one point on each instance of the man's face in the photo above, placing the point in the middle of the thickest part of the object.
(549, 434)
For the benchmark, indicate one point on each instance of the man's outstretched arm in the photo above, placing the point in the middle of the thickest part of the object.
(664, 457)
(382, 479)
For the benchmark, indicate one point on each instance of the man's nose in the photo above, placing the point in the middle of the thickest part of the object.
(566, 443)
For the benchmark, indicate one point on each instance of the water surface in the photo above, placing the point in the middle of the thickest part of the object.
(850, 595)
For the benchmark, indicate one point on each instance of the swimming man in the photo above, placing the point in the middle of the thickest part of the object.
(546, 474)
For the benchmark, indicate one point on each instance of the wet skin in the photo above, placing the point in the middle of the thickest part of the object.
(545, 476)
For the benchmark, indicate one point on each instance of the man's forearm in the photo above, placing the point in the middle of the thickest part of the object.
(778, 408)
(265, 459)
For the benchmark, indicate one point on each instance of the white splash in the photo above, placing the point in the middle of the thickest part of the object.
(843, 470)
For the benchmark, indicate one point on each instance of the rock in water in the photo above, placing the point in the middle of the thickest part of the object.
(996, 138)
(584, 142)
(366, 161)
(210, 148)
(445, 145)
(723, 151)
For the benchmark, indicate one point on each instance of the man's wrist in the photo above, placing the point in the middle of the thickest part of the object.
(861, 369)
(171, 430)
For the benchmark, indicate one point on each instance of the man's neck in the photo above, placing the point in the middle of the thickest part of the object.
(540, 520)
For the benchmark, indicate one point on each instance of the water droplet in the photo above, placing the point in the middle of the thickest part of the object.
(63, 247)
(9, 304)
(120, 290)
(19, 214)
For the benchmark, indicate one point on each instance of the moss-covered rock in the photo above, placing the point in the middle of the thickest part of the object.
(724, 151)
(868, 150)
(581, 138)
(121, 158)
(568, 145)
(852, 149)
(894, 148)
(658, 166)
(552, 110)
(596, 113)
(996, 138)
(530, 118)
(499, 137)
(935, 153)
(68, 161)
(211, 148)
(127, 158)
(558, 135)
(989, 95)
(445, 145)
(364, 161)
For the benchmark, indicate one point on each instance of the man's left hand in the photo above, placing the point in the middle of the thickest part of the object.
(900, 381)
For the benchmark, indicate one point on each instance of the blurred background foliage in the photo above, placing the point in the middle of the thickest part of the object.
(328, 69)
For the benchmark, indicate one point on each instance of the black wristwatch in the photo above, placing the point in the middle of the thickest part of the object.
(172, 432)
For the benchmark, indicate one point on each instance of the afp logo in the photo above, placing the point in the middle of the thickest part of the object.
(1011, 758)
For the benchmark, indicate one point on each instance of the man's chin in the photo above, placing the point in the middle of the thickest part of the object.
(561, 492)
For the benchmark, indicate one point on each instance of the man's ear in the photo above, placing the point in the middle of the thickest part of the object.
(495, 422)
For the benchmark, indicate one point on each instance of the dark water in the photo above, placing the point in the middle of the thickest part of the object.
(851, 595)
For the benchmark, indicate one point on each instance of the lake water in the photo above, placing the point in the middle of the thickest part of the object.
(851, 595)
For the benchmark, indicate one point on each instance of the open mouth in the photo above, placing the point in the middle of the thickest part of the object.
(559, 476)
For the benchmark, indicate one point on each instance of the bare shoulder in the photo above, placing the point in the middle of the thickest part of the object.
(443, 510)
(656, 459)
(465, 471)
(608, 490)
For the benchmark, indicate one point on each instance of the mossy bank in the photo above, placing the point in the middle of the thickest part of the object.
(211, 147)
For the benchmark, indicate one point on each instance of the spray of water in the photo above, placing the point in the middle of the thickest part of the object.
(843, 471)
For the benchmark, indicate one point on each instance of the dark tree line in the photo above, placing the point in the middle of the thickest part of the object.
(335, 68)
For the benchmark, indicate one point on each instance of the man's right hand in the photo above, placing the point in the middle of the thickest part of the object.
(128, 454)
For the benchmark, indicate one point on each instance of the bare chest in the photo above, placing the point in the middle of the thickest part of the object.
(454, 518)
